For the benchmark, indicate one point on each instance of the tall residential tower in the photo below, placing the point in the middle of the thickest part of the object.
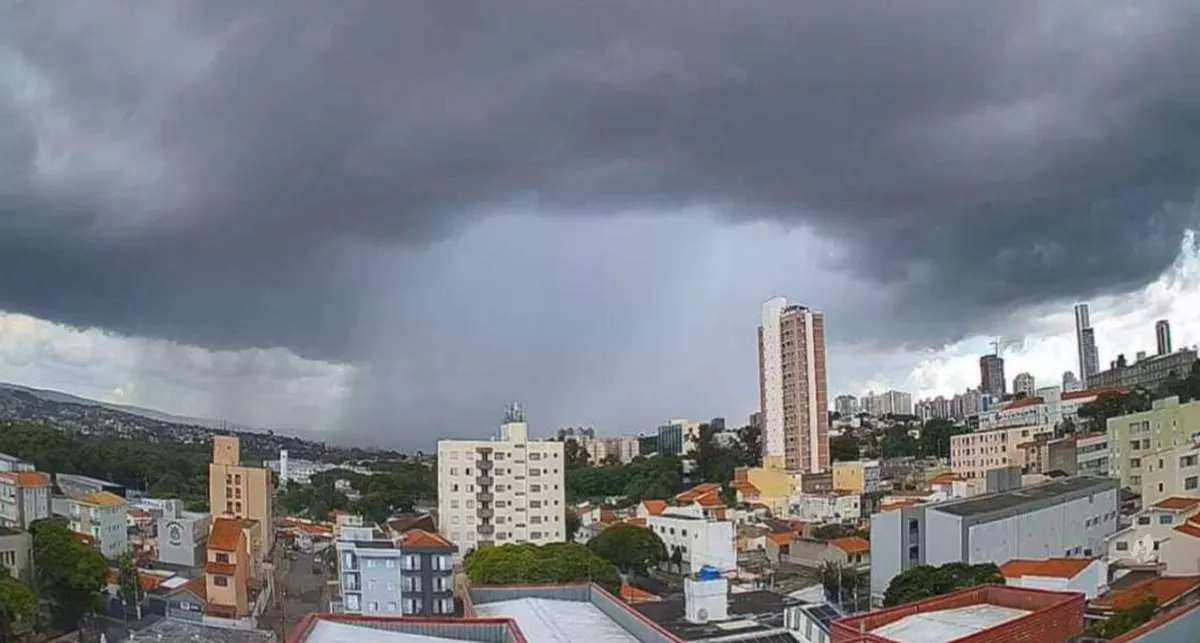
(1085, 343)
(793, 394)
(1162, 333)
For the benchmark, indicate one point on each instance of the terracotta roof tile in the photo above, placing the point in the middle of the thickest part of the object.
(1164, 590)
(747, 487)
(781, 539)
(654, 507)
(852, 545)
(945, 478)
(710, 500)
(27, 478)
(101, 499)
(419, 538)
(1023, 403)
(1051, 567)
(1176, 503)
(637, 522)
(225, 535)
(1189, 529)
(197, 586)
(1096, 392)
(691, 495)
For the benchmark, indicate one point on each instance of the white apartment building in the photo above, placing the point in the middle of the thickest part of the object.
(888, 403)
(972, 455)
(1153, 525)
(13, 463)
(700, 541)
(509, 490)
(302, 471)
(100, 515)
(24, 498)
(827, 507)
(1070, 517)
(1049, 407)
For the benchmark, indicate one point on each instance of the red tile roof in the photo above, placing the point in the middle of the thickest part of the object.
(1165, 590)
(781, 538)
(1095, 392)
(654, 507)
(225, 535)
(421, 538)
(710, 500)
(197, 586)
(1176, 503)
(637, 522)
(852, 545)
(746, 487)
(1023, 402)
(27, 478)
(1051, 567)
(1189, 529)
(691, 495)
(945, 478)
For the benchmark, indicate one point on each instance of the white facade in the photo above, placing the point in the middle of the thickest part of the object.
(1156, 523)
(825, 507)
(701, 542)
(104, 523)
(888, 403)
(21, 502)
(1023, 383)
(772, 378)
(1092, 454)
(501, 491)
(1091, 582)
(11, 463)
(302, 471)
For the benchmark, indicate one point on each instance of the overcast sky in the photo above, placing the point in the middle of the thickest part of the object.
(381, 221)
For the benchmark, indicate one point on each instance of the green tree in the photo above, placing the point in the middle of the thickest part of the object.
(1111, 404)
(844, 448)
(846, 586)
(935, 437)
(749, 446)
(18, 607)
(897, 442)
(574, 455)
(925, 581)
(629, 547)
(533, 564)
(70, 573)
(714, 462)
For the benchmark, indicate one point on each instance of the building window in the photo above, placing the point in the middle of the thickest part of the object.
(1187, 461)
(373, 606)
(221, 581)
(1143, 520)
(1191, 482)
(391, 606)
(237, 507)
(1164, 519)
(222, 557)
(1135, 463)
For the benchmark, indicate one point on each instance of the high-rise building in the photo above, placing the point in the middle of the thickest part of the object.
(500, 492)
(237, 491)
(991, 375)
(1085, 343)
(1162, 333)
(1023, 383)
(793, 393)
(845, 405)
(888, 403)
(1069, 382)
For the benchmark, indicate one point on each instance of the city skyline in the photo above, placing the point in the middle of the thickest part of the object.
(264, 219)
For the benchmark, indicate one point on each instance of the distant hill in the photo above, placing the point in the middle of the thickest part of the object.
(59, 397)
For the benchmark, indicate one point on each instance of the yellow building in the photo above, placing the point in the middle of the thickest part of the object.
(770, 485)
(1149, 449)
(236, 491)
(859, 476)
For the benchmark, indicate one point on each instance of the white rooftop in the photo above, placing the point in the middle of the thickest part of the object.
(334, 632)
(545, 620)
(948, 625)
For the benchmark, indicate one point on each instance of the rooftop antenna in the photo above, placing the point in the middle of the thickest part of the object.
(513, 413)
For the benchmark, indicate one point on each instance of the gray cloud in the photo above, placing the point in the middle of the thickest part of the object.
(238, 175)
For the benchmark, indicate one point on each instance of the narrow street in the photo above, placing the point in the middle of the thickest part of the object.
(300, 592)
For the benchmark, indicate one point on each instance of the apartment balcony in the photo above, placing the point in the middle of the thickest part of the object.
(484, 481)
(486, 529)
(484, 465)
(484, 496)
(485, 513)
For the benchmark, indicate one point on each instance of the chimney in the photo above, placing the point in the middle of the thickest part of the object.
(706, 596)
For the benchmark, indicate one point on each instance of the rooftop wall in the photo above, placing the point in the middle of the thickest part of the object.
(481, 630)
(1057, 616)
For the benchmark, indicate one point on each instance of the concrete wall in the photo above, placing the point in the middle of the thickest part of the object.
(888, 550)
(943, 538)
(1058, 530)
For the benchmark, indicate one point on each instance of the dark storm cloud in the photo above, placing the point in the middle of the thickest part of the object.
(207, 171)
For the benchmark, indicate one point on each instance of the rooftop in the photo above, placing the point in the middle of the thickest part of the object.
(852, 545)
(1176, 503)
(1017, 497)
(172, 630)
(654, 507)
(558, 621)
(336, 628)
(421, 539)
(225, 534)
(755, 611)
(101, 499)
(27, 478)
(75, 477)
(1050, 567)
(1165, 590)
(948, 625)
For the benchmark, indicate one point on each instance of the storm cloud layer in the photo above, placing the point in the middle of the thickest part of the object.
(235, 175)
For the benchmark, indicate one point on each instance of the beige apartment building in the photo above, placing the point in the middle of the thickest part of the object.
(793, 392)
(859, 476)
(973, 454)
(510, 490)
(1142, 444)
(241, 492)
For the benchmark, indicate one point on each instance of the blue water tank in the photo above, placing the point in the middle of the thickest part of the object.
(708, 572)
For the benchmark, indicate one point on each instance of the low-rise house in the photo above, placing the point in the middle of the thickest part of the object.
(823, 508)
(227, 570)
(1139, 543)
(16, 553)
(859, 476)
(700, 541)
(811, 552)
(24, 498)
(410, 574)
(1089, 576)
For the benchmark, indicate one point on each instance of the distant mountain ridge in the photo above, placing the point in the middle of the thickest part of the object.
(59, 397)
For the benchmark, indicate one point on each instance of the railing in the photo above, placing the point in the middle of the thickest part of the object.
(484, 465)
(486, 529)
(484, 481)
(485, 513)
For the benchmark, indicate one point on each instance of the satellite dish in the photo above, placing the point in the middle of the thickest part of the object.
(702, 615)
